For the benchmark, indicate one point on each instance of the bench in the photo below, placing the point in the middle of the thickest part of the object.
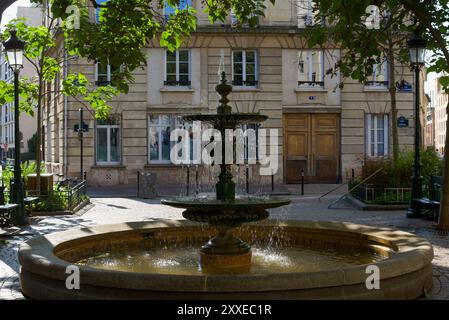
(431, 205)
(5, 214)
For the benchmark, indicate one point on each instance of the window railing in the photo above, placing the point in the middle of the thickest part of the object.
(101, 83)
(177, 83)
(311, 83)
(376, 83)
(245, 83)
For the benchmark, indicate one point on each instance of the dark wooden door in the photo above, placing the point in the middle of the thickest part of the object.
(311, 143)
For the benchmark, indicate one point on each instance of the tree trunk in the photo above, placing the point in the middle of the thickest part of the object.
(443, 223)
(39, 137)
(394, 110)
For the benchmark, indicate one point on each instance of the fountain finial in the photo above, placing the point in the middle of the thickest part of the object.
(223, 89)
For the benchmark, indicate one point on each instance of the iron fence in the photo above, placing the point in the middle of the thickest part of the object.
(379, 195)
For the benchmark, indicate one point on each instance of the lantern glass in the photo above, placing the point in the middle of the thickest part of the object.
(15, 58)
(417, 55)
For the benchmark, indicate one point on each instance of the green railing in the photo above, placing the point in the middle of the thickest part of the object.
(66, 198)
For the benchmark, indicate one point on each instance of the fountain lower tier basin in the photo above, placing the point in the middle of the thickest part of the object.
(290, 260)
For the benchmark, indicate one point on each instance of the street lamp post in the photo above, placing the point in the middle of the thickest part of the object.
(417, 49)
(14, 48)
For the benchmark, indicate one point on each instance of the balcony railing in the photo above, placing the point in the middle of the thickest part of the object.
(376, 83)
(311, 84)
(245, 83)
(177, 83)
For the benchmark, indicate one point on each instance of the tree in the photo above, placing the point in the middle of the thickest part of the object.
(429, 17)
(47, 59)
(362, 47)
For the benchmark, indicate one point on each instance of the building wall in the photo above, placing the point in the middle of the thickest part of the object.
(438, 102)
(278, 43)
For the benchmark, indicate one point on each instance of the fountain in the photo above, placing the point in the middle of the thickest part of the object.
(288, 259)
(225, 252)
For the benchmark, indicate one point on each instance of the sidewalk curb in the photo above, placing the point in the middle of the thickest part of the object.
(375, 207)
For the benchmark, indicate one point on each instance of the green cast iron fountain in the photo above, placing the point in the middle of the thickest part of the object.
(225, 252)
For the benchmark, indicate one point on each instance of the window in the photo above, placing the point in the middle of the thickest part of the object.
(377, 135)
(97, 10)
(244, 68)
(305, 13)
(177, 68)
(168, 10)
(251, 17)
(379, 78)
(104, 73)
(311, 68)
(108, 141)
(159, 130)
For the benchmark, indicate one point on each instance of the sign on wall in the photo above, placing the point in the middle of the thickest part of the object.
(402, 122)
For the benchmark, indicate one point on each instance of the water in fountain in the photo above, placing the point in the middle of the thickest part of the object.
(226, 211)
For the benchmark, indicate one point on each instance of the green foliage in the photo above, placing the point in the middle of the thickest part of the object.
(54, 201)
(398, 174)
(27, 167)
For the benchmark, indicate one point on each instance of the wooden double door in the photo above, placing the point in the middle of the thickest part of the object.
(311, 143)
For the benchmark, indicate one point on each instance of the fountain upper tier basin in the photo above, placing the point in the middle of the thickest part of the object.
(211, 203)
(231, 213)
(227, 120)
(405, 269)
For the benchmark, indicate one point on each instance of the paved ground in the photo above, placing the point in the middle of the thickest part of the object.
(308, 207)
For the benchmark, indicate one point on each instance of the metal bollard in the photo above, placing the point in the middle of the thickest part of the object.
(188, 180)
(196, 181)
(302, 182)
(247, 179)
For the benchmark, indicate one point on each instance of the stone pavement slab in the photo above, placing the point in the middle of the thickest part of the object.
(308, 207)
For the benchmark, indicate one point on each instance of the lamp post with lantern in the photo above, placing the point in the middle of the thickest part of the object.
(14, 48)
(417, 49)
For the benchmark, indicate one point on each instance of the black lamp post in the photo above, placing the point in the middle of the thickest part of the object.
(417, 48)
(14, 48)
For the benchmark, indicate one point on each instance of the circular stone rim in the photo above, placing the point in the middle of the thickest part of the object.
(37, 258)
(224, 205)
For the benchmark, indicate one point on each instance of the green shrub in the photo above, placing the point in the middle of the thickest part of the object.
(399, 174)
(27, 168)
(53, 202)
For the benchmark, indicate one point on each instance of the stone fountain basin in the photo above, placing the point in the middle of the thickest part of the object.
(406, 273)
(242, 203)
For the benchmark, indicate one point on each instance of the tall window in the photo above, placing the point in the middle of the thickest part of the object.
(159, 130)
(379, 78)
(104, 73)
(108, 141)
(244, 68)
(168, 10)
(377, 135)
(97, 10)
(305, 13)
(177, 70)
(311, 68)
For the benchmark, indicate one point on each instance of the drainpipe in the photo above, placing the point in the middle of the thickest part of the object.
(66, 72)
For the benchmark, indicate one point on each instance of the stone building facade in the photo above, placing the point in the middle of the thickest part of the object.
(437, 110)
(325, 130)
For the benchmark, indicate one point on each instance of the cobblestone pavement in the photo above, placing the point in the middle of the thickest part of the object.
(116, 210)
